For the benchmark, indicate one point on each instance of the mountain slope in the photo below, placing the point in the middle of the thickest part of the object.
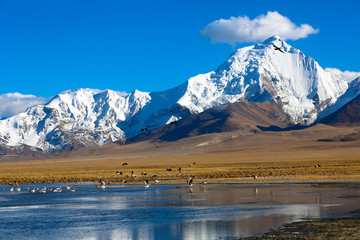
(240, 116)
(347, 115)
(259, 73)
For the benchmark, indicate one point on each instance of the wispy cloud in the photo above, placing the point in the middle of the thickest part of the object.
(243, 29)
(14, 103)
(346, 75)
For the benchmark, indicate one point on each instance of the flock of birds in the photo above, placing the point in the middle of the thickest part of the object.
(147, 183)
(103, 184)
(15, 188)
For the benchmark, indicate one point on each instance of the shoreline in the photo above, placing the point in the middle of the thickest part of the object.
(199, 178)
(197, 182)
(347, 227)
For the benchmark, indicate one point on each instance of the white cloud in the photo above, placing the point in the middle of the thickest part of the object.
(14, 103)
(243, 29)
(347, 75)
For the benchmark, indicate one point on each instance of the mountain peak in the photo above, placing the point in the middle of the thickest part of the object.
(273, 39)
(263, 73)
(277, 41)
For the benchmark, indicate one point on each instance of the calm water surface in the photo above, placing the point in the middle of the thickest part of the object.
(213, 211)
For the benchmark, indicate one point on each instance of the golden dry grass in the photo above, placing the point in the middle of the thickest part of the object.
(271, 156)
(209, 167)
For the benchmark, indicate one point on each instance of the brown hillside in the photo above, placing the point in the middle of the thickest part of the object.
(348, 114)
(245, 116)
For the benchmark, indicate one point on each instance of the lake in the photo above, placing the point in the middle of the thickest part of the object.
(210, 211)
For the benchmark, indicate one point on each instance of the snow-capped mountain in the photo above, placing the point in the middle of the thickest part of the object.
(260, 73)
(88, 117)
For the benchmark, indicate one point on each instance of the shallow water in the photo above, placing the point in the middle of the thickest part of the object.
(213, 211)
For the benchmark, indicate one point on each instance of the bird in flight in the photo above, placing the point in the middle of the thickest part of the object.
(102, 184)
(278, 48)
(146, 183)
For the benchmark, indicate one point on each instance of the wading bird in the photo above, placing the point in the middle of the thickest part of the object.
(190, 181)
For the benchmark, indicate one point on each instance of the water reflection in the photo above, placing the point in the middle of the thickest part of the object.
(168, 211)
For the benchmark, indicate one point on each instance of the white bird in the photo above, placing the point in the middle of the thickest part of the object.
(11, 189)
(146, 183)
(156, 181)
(72, 190)
(18, 189)
(32, 190)
(68, 188)
(102, 184)
(42, 190)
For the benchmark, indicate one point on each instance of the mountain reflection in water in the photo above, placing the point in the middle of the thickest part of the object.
(210, 211)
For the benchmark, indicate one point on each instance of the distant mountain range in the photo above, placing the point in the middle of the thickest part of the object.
(269, 88)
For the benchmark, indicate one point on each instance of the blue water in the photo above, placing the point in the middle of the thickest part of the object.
(213, 211)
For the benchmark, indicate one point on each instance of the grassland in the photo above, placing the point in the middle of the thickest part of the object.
(227, 157)
(210, 167)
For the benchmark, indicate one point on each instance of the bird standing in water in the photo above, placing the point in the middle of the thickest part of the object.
(190, 181)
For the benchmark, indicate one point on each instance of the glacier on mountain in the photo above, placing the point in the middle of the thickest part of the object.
(88, 117)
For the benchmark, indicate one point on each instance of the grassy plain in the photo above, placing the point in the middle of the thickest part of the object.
(271, 156)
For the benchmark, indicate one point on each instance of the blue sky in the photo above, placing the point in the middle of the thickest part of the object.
(47, 47)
